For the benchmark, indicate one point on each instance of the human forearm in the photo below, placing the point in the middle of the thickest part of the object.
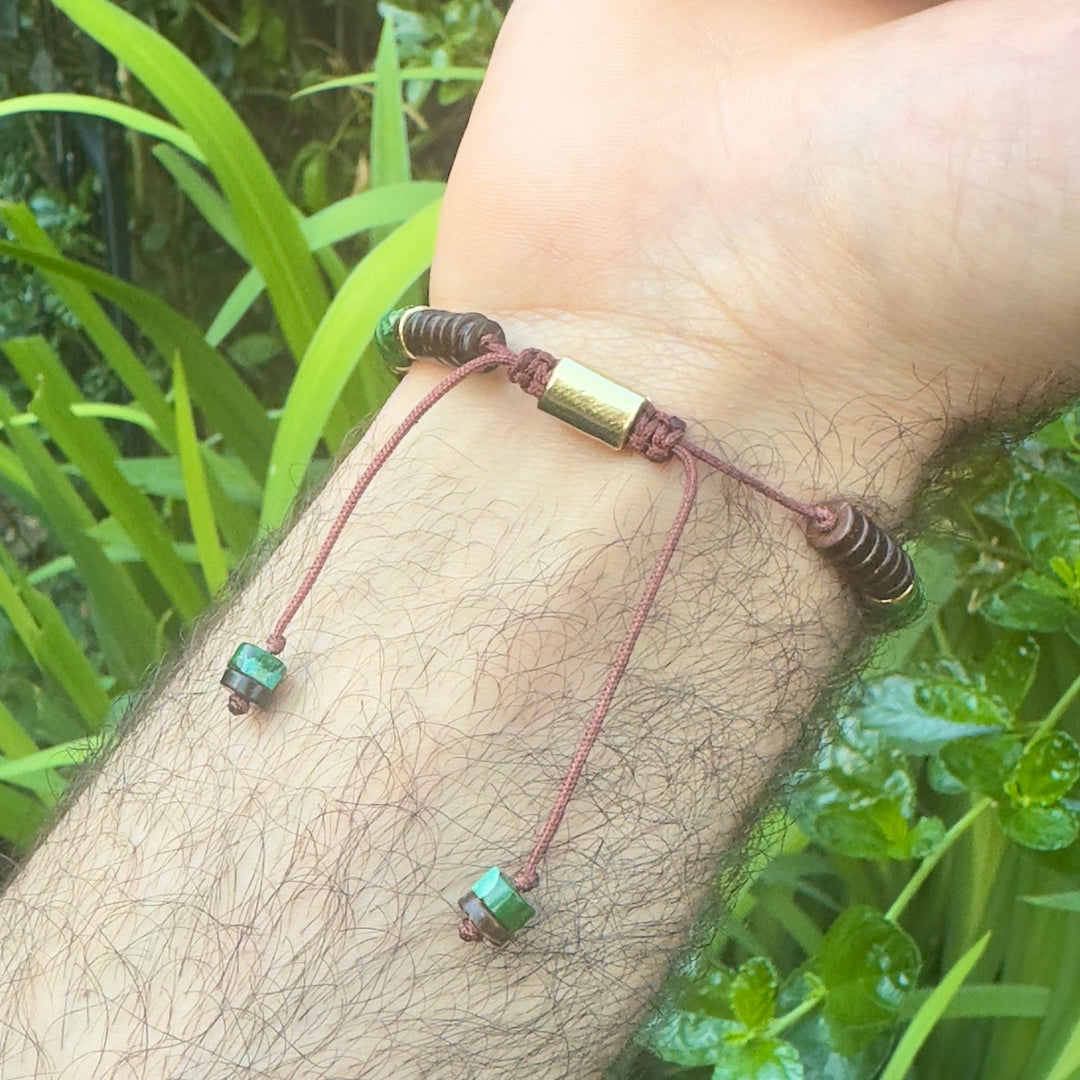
(278, 889)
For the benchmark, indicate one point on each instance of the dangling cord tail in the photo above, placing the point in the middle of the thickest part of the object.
(859, 548)
(276, 641)
(527, 878)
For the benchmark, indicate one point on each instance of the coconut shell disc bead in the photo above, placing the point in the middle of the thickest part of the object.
(254, 674)
(495, 907)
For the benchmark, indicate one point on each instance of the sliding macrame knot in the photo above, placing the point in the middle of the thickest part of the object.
(531, 369)
(656, 433)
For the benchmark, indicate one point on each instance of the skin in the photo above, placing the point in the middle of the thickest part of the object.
(832, 234)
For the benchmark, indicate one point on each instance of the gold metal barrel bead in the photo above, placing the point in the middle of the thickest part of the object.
(866, 556)
(591, 403)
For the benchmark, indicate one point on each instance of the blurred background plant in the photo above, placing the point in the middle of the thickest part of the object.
(911, 909)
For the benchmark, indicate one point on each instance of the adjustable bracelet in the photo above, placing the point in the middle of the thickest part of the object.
(872, 563)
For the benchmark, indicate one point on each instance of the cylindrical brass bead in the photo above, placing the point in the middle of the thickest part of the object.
(868, 558)
(591, 403)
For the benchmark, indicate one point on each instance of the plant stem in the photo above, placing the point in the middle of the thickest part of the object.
(940, 639)
(1048, 724)
(808, 1004)
(934, 857)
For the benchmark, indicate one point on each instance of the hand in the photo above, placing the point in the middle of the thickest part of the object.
(861, 211)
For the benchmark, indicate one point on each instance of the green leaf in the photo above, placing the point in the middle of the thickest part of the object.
(225, 400)
(753, 994)
(1032, 601)
(121, 617)
(1063, 901)
(1044, 523)
(868, 966)
(47, 639)
(878, 830)
(1046, 771)
(214, 209)
(931, 1011)
(1041, 828)
(345, 218)
(389, 140)
(984, 763)
(84, 104)
(705, 989)
(342, 336)
(263, 214)
(920, 715)
(426, 74)
(200, 511)
(93, 453)
(860, 800)
(97, 325)
(1008, 670)
(688, 1038)
(759, 1059)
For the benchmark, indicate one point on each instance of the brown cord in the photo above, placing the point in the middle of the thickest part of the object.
(655, 434)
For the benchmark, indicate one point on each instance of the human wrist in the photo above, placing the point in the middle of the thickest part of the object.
(820, 414)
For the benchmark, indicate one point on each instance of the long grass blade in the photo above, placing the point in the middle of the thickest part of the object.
(83, 104)
(389, 138)
(263, 215)
(42, 630)
(121, 618)
(931, 1011)
(214, 209)
(16, 743)
(61, 756)
(409, 74)
(96, 324)
(220, 393)
(354, 214)
(87, 446)
(200, 511)
(14, 480)
(342, 336)
(21, 817)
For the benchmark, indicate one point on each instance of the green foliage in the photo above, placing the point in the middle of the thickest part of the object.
(150, 536)
(934, 836)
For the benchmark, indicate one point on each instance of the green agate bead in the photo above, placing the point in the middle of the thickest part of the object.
(388, 341)
(258, 664)
(495, 907)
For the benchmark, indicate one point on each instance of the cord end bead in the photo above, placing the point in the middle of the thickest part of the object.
(494, 908)
(452, 338)
(389, 340)
(867, 557)
(253, 674)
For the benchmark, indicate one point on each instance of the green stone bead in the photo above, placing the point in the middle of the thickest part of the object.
(497, 893)
(388, 341)
(258, 664)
